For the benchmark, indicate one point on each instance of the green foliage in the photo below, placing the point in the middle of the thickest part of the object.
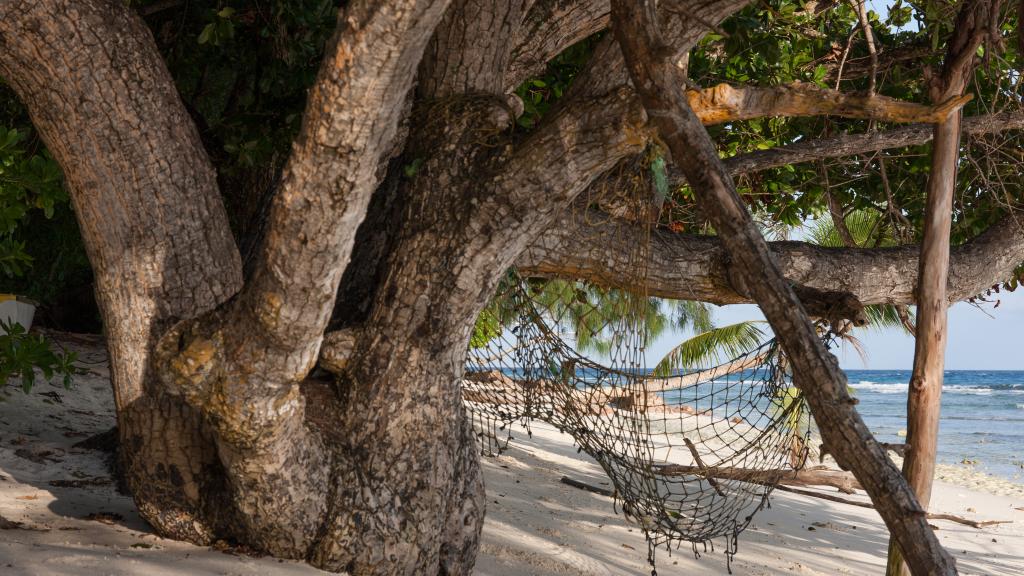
(593, 316)
(244, 69)
(22, 353)
(712, 347)
(866, 227)
(30, 180)
(540, 94)
(884, 317)
(488, 327)
(780, 41)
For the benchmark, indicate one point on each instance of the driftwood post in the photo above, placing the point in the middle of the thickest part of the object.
(657, 80)
(924, 396)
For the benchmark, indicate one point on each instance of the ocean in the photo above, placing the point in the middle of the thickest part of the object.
(982, 419)
(981, 423)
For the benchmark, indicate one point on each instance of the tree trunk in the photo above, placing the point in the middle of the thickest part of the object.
(815, 371)
(924, 395)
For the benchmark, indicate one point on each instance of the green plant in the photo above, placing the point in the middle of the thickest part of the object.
(712, 346)
(29, 180)
(21, 353)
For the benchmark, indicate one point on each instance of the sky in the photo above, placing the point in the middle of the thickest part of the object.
(979, 339)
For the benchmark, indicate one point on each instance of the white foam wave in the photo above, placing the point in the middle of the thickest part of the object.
(899, 388)
(870, 386)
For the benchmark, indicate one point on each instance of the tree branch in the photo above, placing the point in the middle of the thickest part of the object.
(469, 53)
(549, 28)
(144, 191)
(350, 122)
(856, 68)
(725, 103)
(852, 144)
(691, 267)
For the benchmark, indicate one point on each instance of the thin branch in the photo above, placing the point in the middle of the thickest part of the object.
(851, 144)
(839, 499)
(726, 103)
(869, 38)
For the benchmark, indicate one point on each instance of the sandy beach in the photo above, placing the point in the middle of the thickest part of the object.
(61, 514)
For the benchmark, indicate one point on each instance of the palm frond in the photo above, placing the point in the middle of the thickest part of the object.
(865, 226)
(712, 347)
(691, 314)
(884, 316)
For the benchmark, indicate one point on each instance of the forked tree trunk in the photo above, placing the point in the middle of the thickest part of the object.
(222, 436)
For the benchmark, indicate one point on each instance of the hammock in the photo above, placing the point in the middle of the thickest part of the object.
(691, 457)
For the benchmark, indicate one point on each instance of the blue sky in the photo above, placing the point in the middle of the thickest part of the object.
(987, 339)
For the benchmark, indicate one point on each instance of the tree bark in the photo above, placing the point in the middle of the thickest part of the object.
(693, 267)
(151, 217)
(815, 371)
(853, 144)
(924, 396)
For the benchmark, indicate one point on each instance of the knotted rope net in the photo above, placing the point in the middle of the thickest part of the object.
(691, 455)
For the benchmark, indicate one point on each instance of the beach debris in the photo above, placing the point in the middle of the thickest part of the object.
(81, 483)
(109, 518)
(37, 456)
(587, 487)
(931, 516)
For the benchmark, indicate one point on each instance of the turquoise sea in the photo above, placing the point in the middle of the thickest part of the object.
(982, 417)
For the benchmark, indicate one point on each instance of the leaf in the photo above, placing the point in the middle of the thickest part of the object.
(711, 347)
(207, 33)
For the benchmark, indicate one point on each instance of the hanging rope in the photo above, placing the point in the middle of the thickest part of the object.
(691, 457)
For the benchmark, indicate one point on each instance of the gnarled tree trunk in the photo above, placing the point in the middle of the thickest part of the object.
(223, 433)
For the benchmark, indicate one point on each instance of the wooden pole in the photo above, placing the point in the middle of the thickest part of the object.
(924, 395)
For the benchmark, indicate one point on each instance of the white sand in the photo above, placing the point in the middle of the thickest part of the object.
(535, 524)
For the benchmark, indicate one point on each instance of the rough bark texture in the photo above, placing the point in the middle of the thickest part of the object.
(816, 372)
(924, 397)
(550, 27)
(726, 103)
(151, 217)
(693, 267)
(224, 435)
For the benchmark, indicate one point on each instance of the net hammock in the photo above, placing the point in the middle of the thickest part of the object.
(691, 456)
